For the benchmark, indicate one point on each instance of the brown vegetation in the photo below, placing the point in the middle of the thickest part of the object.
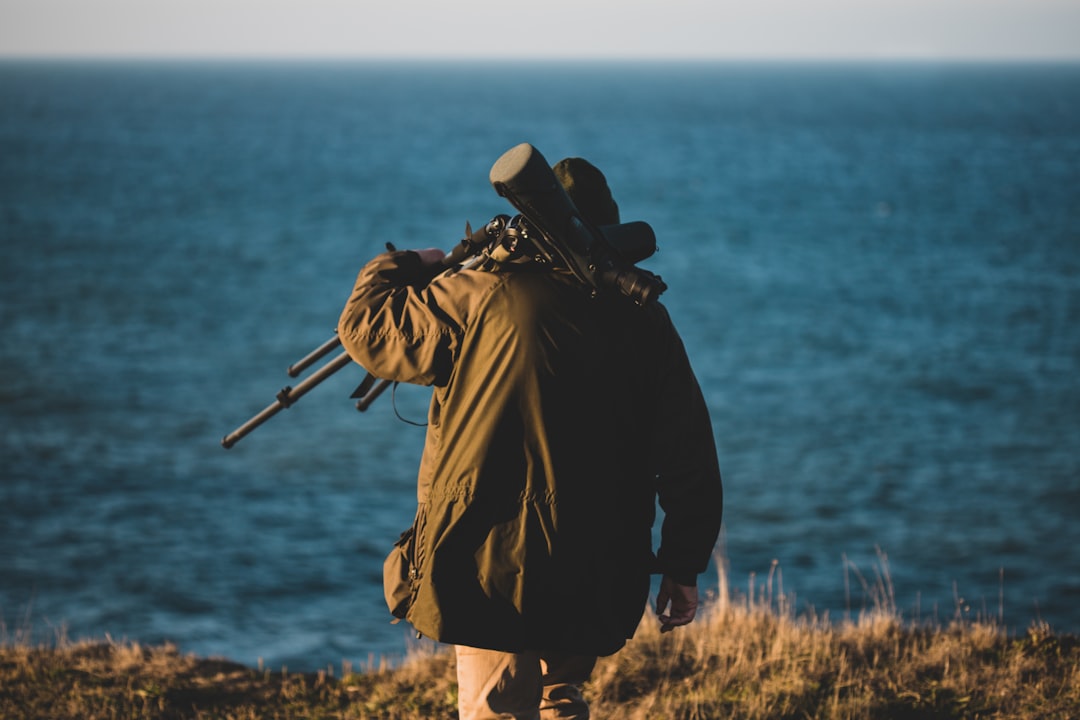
(749, 657)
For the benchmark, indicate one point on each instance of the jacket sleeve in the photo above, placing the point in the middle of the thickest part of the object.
(689, 486)
(393, 326)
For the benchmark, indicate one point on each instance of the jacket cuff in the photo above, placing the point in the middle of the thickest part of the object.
(683, 578)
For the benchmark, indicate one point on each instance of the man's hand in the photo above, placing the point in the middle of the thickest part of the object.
(683, 600)
(430, 256)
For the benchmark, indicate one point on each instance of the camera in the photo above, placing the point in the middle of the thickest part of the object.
(601, 258)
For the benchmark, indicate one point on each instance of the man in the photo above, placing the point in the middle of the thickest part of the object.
(558, 417)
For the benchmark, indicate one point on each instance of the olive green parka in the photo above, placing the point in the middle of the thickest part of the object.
(557, 419)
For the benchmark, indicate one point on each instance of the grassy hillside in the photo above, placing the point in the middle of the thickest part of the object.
(748, 657)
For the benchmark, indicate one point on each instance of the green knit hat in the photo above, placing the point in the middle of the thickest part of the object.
(588, 189)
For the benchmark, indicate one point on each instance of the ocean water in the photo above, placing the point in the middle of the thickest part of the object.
(875, 268)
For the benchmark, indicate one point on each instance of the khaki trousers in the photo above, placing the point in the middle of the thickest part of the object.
(496, 685)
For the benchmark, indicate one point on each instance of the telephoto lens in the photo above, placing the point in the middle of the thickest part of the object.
(640, 286)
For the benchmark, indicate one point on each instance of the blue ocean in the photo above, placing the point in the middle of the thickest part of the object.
(875, 269)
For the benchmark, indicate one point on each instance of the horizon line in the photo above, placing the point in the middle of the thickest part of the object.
(584, 59)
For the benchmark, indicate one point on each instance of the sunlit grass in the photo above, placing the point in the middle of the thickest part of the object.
(749, 655)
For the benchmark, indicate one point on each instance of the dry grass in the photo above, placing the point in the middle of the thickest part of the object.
(749, 661)
(746, 657)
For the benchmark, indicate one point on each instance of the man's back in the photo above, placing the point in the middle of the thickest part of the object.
(552, 413)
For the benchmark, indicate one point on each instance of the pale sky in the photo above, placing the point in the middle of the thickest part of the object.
(508, 29)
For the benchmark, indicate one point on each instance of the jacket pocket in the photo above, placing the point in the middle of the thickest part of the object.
(397, 574)
(401, 568)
